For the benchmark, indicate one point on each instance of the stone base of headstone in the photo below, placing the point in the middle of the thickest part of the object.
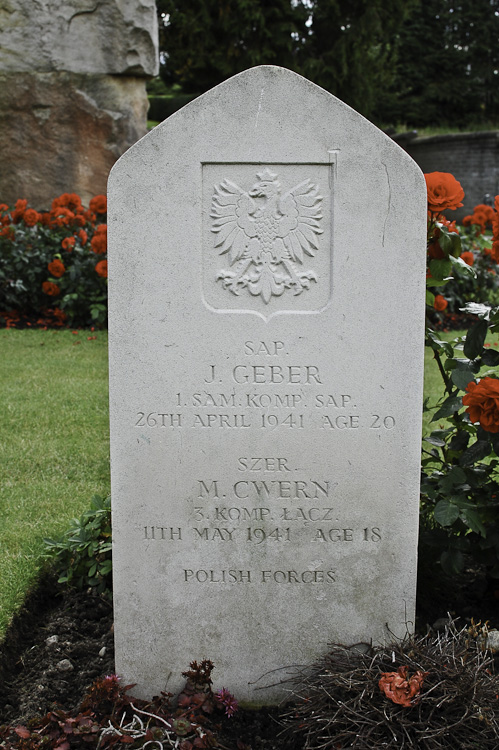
(46, 116)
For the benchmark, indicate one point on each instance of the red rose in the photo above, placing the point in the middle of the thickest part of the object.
(468, 257)
(99, 240)
(435, 252)
(56, 268)
(101, 268)
(31, 217)
(444, 191)
(98, 204)
(68, 243)
(482, 402)
(67, 200)
(50, 288)
(440, 303)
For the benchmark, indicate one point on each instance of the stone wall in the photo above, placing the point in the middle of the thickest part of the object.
(72, 92)
(473, 159)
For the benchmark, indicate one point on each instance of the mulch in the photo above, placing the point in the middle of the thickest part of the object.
(62, 640)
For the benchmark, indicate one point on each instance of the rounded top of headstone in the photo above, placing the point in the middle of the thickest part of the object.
(268, 112)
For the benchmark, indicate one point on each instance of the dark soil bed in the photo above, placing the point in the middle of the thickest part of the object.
(62, 640)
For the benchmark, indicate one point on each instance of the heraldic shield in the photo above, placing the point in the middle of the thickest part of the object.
(267, 238)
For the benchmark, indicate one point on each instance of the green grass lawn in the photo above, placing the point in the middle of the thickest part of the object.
(54, 445)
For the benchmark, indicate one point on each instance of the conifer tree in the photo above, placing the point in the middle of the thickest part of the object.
(448, 65)
(351, 48)
(203, 42)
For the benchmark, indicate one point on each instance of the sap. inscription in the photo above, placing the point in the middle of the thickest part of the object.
(265, 234)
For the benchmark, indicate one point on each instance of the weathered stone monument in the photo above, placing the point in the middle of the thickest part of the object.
(267, 264)
(72, 92)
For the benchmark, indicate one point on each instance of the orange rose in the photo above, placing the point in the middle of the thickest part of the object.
(20, 208)
(101, 268)
(449, 225)
(67, 200)
(444, 191)
(496, 203)
(68, 243)
(99, 240)
(61, 216)
(495, 227)
(50, 288)
(31, 217)
(435, 251)
(468, 257)
(56, 268)
(83, 236)
(98, 204)
(482, 402)
(440, 303)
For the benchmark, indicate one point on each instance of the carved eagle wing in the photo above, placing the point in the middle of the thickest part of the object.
(299, 226)
(232, 212)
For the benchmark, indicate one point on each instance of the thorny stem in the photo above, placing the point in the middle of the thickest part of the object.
(445, 378)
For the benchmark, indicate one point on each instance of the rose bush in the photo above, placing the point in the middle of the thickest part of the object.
(478, 251)
(55, 260)
(460, 466)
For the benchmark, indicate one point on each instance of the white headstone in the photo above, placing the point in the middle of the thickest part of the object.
(267, 264)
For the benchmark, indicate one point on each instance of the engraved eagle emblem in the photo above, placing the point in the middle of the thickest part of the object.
(266, 235)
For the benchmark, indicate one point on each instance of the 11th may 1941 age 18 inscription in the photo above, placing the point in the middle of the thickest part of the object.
(266, 322)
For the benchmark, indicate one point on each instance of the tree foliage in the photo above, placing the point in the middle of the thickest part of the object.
(418, 62)
(448, 65)
(351, 48)
(206, 41)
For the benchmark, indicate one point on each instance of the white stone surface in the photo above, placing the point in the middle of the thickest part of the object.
(266, 399)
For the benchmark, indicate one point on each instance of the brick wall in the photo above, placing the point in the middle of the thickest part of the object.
(473, 159)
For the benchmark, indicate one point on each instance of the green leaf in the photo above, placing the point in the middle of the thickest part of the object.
(434, 441)
(490, 358)
(459, 442)
(440, 269)
(449, 407)
(456, 476)
(462, 377)
(430, 282)
(471, 517)
(475, 452)
(475, 339)
(456, 249)
(430, 298)
(444, 241)
(445, 512)
(460, 263)
(436, 344)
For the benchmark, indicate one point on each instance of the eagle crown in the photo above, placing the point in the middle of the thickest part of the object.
(267, 185)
